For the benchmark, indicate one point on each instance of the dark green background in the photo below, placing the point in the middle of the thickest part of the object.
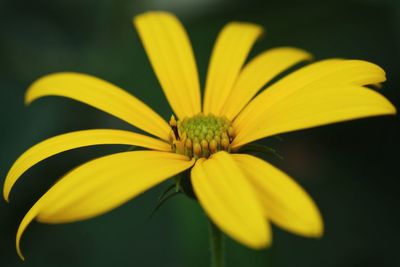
(351, 169)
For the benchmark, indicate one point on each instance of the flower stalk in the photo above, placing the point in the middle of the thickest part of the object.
(217, 247)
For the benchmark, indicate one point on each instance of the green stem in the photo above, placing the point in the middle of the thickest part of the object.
(216, 246)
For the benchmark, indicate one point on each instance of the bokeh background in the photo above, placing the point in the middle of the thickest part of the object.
(351, 169)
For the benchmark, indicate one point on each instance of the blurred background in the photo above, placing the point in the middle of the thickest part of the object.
(350, 169)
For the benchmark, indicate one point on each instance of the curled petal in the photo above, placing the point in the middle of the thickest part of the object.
(229, 54)
(170, 52)
(101, 95)
(322, 93)
(258, 72)
(102, 185)
(283, 200)
(230, 201)
(64, 142)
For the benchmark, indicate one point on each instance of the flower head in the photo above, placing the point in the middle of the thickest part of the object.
(241, 194)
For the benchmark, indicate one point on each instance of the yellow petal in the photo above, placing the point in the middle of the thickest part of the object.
(230, 201)
(303, 100)
(170, 53)
(102, 95)
(315, 106)
(33, 212)
(258, 72)
(284, 201)
(64, 142)
(229, 54)
(102, 185)
(330, 71)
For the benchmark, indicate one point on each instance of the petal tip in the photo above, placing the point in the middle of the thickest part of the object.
(28, 99)
(308, 56)
(6, 190)
(319, 231)
(258, 28)
(18, 247)
(20, 255)
(390, 109)
(29, 94)
(393, 109)
(316, 230)
(157, 13)
(261, 243)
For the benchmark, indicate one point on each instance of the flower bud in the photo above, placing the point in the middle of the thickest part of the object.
(189, 144)
(231, 133)
(196, 150)
(213, 146)
(225, 144)
(204, 147)
(172, 121)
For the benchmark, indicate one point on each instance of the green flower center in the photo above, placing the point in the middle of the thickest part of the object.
(201, 135)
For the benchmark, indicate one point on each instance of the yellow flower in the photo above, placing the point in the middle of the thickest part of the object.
(240, 193)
